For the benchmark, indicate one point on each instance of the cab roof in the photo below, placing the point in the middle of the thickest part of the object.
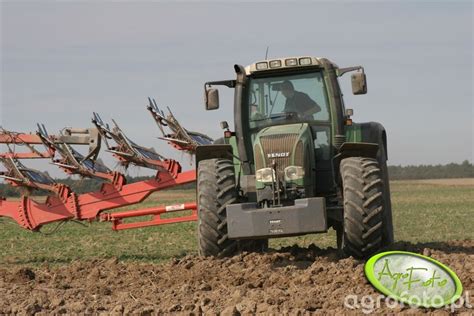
(284, 63)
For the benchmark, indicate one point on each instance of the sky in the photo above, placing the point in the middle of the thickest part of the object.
(60, 61)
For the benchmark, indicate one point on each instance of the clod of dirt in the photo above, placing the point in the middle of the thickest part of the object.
(292, 280)
(22, 275)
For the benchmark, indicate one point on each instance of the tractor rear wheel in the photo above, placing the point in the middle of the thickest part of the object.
(216, 188)
(364, 204)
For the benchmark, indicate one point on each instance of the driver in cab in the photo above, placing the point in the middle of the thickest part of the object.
(298, 102)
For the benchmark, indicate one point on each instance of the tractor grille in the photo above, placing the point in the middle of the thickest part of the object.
(279, 145)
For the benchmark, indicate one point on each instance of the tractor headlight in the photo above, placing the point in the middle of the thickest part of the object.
(262, 66)
(265, 175)
(275, 63)
(305, 61)
(291, 62)
(293, 173)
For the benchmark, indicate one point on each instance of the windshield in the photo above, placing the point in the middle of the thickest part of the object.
(287, 99)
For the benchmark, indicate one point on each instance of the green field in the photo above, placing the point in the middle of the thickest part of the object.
(423, 211)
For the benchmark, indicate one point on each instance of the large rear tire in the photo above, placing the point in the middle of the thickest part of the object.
(216, 188)
(364, 206)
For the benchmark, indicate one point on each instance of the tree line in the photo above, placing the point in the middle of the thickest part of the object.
(451, 170)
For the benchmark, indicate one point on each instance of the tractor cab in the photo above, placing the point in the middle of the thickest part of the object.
(291, 123)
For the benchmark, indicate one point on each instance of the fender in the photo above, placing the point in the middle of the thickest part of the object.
(367, 139)
(360, 149)
(213, 151)
(369, 132)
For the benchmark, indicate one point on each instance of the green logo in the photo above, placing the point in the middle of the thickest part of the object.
(413, 279)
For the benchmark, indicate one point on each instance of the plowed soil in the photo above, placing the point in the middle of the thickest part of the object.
(291, 280)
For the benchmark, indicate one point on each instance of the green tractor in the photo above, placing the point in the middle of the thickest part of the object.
(295, 163)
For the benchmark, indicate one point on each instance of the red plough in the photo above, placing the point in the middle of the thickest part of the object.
(177, 136)
(64, 204)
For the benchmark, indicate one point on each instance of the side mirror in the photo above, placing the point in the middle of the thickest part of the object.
(211, 99)
(359, 83)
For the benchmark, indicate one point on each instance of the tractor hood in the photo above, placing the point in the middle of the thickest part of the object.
(285, 145)
(298, 128)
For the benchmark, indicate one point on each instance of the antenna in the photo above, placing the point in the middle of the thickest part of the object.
(266, 53)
